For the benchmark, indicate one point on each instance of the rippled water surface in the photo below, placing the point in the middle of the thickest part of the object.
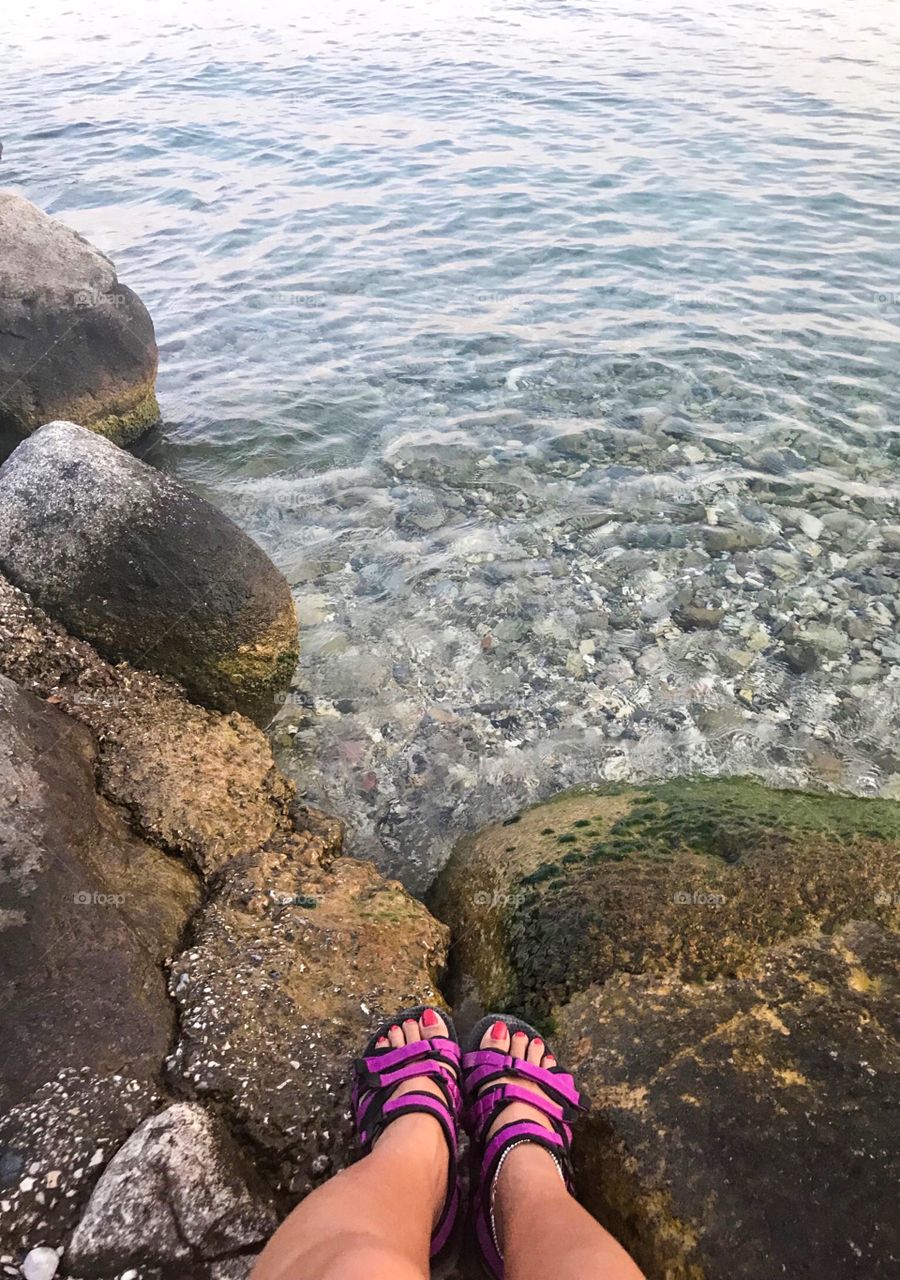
(549, 348)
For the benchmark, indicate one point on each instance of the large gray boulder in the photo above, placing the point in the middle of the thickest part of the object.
(126, 558)
(177, 1196)
(74, 341)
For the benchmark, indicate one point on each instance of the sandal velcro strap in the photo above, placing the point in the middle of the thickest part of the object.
(482, 1112)
(386, 1069)
(485, 1065)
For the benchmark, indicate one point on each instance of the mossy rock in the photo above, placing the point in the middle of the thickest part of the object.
(145, 570)
(688, 877)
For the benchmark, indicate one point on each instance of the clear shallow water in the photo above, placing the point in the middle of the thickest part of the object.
(510, 331)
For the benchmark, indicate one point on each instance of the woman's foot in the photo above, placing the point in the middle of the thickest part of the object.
(505, 1068)
(424, 1136)
(420, 1131)
(429, 1026)
(518, 1046)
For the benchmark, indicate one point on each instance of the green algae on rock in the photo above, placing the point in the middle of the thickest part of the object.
(74, 341)
(690, 877)
(717, 962)
(126, 558)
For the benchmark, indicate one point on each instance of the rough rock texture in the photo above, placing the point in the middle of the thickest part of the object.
(196, 782)
(74, 341)
(748, 1128)
(177, 1196)
(294, 948)
(126, 558)
(88, 912)
(688, 877)
(289, 966)
(54, 1146)
(717, 961)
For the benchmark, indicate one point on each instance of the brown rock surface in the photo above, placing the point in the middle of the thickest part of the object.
(194, 781)
(288, 968)
(748, 1128)
(694, 877)
(88, 911)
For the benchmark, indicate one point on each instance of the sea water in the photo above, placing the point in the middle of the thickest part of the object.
(551, 351)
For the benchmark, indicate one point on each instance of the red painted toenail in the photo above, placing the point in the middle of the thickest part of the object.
(519, 1035)
(429, 1018)
(498, 1030)
(538, 1041)
(395, 1028)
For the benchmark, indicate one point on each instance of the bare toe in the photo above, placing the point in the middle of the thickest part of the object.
(527, 1049)
(431, 1024)
(496, 1037)
(535, 1052)
(411, 1031)
(395, 1037)
(519, 1046)
(382, 1043)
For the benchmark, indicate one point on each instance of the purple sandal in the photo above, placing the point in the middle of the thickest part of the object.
(484, 1101)
(375, 1077)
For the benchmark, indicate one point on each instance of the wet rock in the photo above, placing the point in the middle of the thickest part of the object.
(88, 912)
(192, 780)
(801, 658)
(693, 617)
(289, 966)
(177, 1194)
(690, 877)
(41, 1263)
(54, 1146)
(74, 341)
(828, 639)
(711, 1101)
(739, 538)
(126, 558)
